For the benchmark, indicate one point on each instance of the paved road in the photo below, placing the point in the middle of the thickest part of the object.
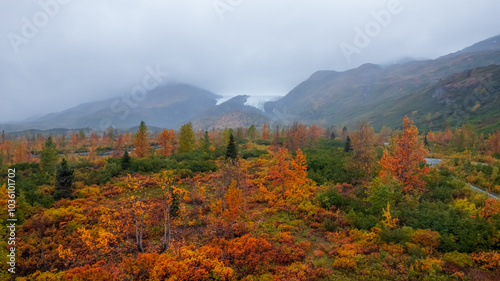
(435, 161)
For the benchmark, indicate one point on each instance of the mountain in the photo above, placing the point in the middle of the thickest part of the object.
(167, 106)
(447, 91)
(330, 97)
(235, 112)
(469, 96)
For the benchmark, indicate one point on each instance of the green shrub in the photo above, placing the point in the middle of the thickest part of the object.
(460, 259)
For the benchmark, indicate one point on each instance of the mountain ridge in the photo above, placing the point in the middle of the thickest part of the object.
(327, 97)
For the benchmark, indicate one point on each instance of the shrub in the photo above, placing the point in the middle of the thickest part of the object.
(460, 259)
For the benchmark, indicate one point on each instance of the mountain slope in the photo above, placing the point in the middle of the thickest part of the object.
(345, 97)
(167, 106)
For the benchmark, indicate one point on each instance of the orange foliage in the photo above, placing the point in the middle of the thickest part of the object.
(491, 208)
(426, 238)
(403, 160)
(166, 140)
(265, 133)
(487, 260)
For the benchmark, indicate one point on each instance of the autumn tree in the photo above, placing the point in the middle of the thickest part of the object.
(48, 159)
(74, 140)
(64, 181)
(141, 142)
(119, 146)
(186, 138)
(403, 160)
(81, 135)
(166, 140)
(226, 211)
(265, 134)
(363, 158)
(170, 206)
(252, 133)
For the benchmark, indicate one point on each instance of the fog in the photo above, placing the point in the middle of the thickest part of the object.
(57, 54)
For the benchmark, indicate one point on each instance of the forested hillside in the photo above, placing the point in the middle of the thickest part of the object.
(295, 203)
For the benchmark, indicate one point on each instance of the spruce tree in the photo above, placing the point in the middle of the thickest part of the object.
(231, 152)
(347, 147)
(125, 160)
(64, 181)
(426, 142)
(48, 159)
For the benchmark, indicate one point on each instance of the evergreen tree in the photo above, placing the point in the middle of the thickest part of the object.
(347, 147)
(125, 160)
(426, 142)
(344, 133)
(206, 142)
(186, 138)
(232, 151)
(48, 159)
(64, 181)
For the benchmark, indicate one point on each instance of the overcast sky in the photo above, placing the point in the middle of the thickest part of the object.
(65, 52)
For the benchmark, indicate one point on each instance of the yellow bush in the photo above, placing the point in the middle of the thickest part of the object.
(345, 263)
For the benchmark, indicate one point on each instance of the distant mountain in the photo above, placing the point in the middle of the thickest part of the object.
(235, 112)
(330, 97)
(447, 91)
(167, 106)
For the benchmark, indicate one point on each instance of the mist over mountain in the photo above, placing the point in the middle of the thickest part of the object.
(382, 95)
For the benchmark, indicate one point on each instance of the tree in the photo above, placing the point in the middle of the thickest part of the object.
(81, 135)
(364, 156)
(347, 146)
(125, 160)
(74, 140)
(402, 162)
(205, 142)
(64, 181)
(167, 141)
(110, 133)
(141, 142)
(252, 133)
(265, 133)
(48, 159)
(345, 134)
(426, 142)
(186, 138)
(232, 151)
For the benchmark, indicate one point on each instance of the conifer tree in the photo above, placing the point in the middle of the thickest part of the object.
(231, 152)
(64, 181)
(125, 160)
(347, 146)
(48, 159)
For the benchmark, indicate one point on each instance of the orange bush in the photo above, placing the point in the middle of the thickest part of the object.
(487, 260)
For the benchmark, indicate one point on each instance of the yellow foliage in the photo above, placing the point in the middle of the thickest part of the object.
(388, 221)
(345, 263)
